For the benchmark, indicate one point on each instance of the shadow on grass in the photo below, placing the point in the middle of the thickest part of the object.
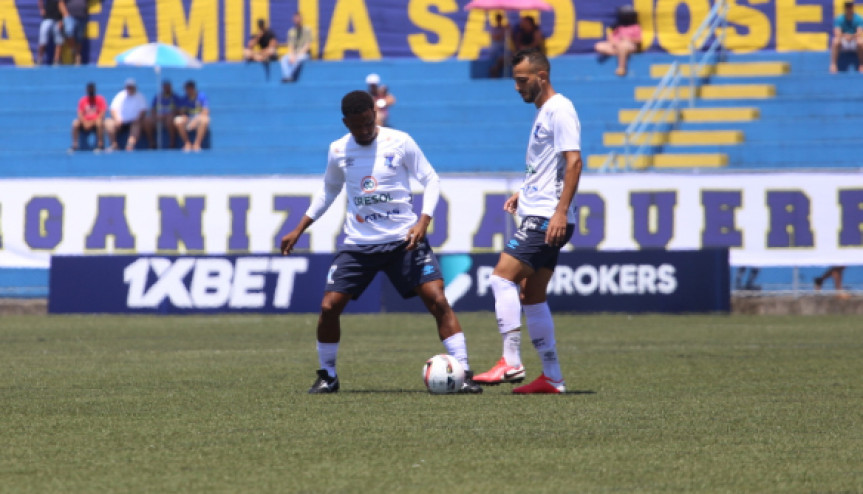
(422, 391)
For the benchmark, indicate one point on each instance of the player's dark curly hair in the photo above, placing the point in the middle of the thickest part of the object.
(535, 57)
(356, 102)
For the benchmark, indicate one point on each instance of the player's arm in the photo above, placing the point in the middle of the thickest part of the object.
(334, 180)
(419, 167)
(572, 174)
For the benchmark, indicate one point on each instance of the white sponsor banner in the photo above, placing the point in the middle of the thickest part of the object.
(765, 219)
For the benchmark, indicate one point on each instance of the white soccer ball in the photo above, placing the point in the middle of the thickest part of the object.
(443, 374)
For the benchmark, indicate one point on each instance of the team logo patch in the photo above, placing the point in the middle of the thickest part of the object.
(368, 184)
(388, 160)
(428, 269)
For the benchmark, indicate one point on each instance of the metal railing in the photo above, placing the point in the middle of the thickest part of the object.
(708, 40)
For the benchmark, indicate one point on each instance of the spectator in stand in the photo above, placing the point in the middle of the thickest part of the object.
(382, 97)
(847, 36)
(52, 12)
(75, 24)
(833, 272)
(625, 39)
(262, 45)
(527, 35)
(128, 110)
(497, 50)
(91, 117)
(194, 116)
(299, 43)
(163, 110)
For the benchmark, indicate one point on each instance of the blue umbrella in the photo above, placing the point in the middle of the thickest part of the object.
(157, 55)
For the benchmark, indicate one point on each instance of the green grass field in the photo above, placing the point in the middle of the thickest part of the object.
(219, 404)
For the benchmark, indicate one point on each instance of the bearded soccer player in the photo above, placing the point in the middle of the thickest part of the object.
(545, 205)
(383, 232)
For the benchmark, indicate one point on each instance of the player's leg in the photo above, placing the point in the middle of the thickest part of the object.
(504, 283)
(540, 326)
(76, 126)
(329, 333)
(835, 47)
(449, 329)
(202, 124)
(180, 122)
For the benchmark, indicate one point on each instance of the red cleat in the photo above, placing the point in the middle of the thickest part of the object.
(501, 373)
(541, 385)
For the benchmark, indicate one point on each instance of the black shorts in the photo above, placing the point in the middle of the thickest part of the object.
(528, 243)
(355, 266)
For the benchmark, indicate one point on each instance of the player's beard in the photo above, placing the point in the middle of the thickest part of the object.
(531, 93)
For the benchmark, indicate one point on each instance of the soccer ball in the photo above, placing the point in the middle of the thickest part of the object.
(443, 374)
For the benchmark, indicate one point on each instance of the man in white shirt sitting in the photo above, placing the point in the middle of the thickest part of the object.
(128, 110)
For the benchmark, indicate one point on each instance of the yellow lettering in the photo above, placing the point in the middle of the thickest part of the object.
(235, 21)
(788, 15)
(475, 35)
(15, 44)
(349, 13)
(443, 27)
(309, 10)
(258, 9)
(44, 216)
(757, 25)
(666, 23)
(645, 20)
(564, 27)
(124, 17)
(201, 28)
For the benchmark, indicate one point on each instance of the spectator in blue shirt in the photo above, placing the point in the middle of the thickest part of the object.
(163, 110)
(847, 36)
(194, 115)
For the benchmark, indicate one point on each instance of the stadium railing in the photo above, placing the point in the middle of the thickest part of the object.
(705, 48)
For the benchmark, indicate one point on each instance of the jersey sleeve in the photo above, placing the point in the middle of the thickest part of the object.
(567, 129)
(420, 168)
(334, 180)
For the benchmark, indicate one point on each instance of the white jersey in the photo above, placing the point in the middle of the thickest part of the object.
(555, 129)
(377, 183)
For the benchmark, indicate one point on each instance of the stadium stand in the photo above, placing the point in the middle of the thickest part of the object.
(785, 118)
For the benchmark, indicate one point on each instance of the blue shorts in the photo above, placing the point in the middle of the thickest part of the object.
(75, 27)
(355, 266)
(50, 28)
(528, 243)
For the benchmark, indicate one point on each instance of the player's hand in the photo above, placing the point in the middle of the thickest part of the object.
(556, 231)
(289, 241)
(417, 232)
(511, 204)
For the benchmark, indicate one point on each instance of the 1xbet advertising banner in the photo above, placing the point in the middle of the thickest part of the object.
(793, 219)
(217, 30)
(646, 281)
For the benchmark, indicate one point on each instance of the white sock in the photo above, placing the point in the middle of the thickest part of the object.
(455, 346)
(512, 348)
(540, 326)
(507, 308)
(327, 357)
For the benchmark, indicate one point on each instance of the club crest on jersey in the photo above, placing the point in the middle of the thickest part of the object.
(368, 184)
(388, 160)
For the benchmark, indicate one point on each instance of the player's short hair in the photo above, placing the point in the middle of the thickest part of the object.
(535, 58)
(356, 102)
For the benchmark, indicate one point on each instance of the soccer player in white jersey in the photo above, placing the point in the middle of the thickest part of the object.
(374, 164)
(548, 220)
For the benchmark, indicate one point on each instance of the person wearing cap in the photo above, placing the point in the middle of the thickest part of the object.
(128, 110)
(299, 43)
(194, 116)
(382, 97)
(625, 39)
(847, 36)
(163, 109)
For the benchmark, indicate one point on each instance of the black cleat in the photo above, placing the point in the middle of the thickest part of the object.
(324, 383)
(470, 386)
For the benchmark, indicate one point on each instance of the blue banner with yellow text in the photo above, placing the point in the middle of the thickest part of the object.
(218, 30)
